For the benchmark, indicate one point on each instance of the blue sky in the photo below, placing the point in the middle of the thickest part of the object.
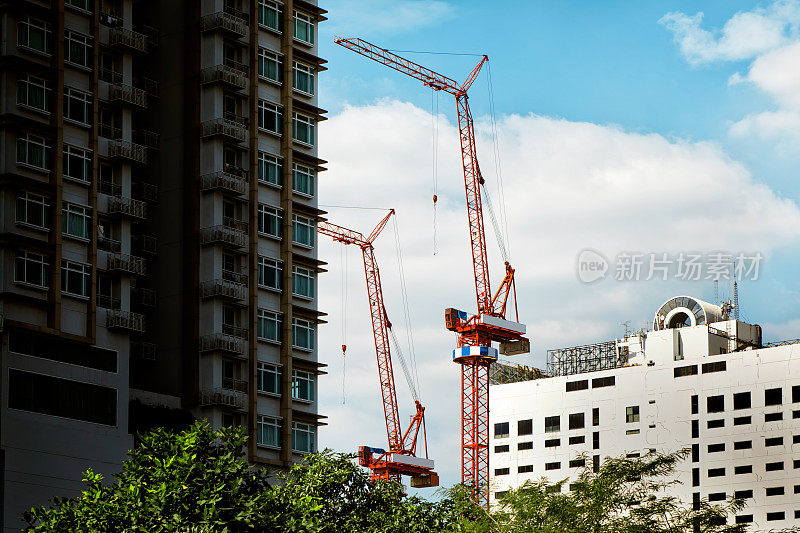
(623, 126)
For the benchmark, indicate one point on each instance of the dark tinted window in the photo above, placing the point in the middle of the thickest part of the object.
(501, 449)
(525, 446)
(717, 366)
(501, 430)
(525, 427)
(576, 421)
(741, 400)
(715, 404)
(773, 396)
(64, 351)
(577, 385)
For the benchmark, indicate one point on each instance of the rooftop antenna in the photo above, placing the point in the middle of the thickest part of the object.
(627, 326)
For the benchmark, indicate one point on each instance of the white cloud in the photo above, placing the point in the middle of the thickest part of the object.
(381, 17)
(769, 38)
(568, 185)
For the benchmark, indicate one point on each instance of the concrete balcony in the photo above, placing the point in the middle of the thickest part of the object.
(118, 148)
(223, 235)
(230, 73)
(145, 191)
(125, 39)
(145, 243)
(145, 297)
(127, 263)
(222, 288)
(234, 130)
(122, 205)
(219, 397)
(143, 350)
(228, 21)
(219, 342)
(125, 320)
(224, 181)
(127, 94)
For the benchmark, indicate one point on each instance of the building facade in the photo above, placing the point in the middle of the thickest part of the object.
(698, 380)
(157, 231)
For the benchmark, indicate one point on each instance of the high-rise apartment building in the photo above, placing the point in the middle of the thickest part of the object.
(157, 231)
(699, 380)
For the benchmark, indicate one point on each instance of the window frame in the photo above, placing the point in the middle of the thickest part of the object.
(27, 259)
(266, 374)
(300, 378)
(309, 327)
(269, 317)
(300, 69)
(265, 56)
(311, 433)
(265, 213)
(263, 424)
(632, 414)
(309, 123)
(70, 210)
(79, 39)
(40, 25)
(309, 224)
(266, 161)
(277, 8)
(265, 264)
(43, 203)
(300, 273)
(275, 112)
(42, 84)
(302, 174)
(85, 163)
(309, 22)
(80, 271)
(82, 98)
(27, 141)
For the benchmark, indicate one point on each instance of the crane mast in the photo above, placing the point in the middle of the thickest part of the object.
(476, 333)
(401, 458)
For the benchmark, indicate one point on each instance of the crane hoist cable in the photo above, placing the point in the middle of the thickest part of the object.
(406, 307)
(498, 167)
(343, 261)
(435, 150)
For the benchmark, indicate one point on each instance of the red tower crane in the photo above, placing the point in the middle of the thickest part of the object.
(477, 332)
(401, 457)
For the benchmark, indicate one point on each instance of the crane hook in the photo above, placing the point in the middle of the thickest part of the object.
(344, 349)
(435, 198)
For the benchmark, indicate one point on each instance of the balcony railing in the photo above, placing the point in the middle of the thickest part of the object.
(124, 320)
(220, 397)
(145, 191)
(147, 138)
(109, 75)
(238, 225)
(109, 188)
(108, 302)
(143, 350)
(145, 243)
(219, 342)
(122, 205)
(128, 150)
(120, 92)
(152, 34)
(224, 289)
(225, 127)
(234, 331)
(230, 73)
(109, 245)
(224, 21)
(148, 85)
(109, 132)
(127, 263)
(235, 277)
(125, 38)
(238, 385)
(145, 297)
(225, 181)
(223, 235)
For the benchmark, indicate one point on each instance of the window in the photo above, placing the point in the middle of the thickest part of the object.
(712, 424)
(741, 400)
(77, 164)
(576, 421)
(303, 385)
(596, 440)
(576, 463)
(268, 378)
(303, 77)
(525, 446)
(743, 445)
(80, 4)
(304, 230)
(772, 467)
(682, 371)
(303, 282)
(715, 404)
(33, 209)
(268, 431)
(303, 128)
(775, 491)
(632, 431)
(773, 441)
(632, 414)
(552, 424)
(501, 430)
(744, 519)
(34, 151)
(269, 325)
(596, 416)
(695, 477)
(525, 427)
(716, 472)
(303, 27)
(270, 169)
(303, 334)
(270, 272)
(524, 469)
(503, 448)
(695, 429)
(77, 106)
(695, 453)
(552, 466)
(303, 179)
(717, 366)
(577, 385)
(499, 494)
(269, 65)
(796, 439)
(501, 471)
(773, 396)
(270, 14)
(303, 437)
(776, 515)
(716, 448)
(579, 439)
(741, 421)
(695, 404)
(77, 49)
(34, 34)
(34, 92)
(270, 220)
(270, 117)
(773, 417)
(75, 278)
(607, 381)
(62, 397)
(552, 443)
(795, 393)
(75, 220)
(743, 494)
(32, 268)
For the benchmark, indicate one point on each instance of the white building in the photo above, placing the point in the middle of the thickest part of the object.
(698, 379)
